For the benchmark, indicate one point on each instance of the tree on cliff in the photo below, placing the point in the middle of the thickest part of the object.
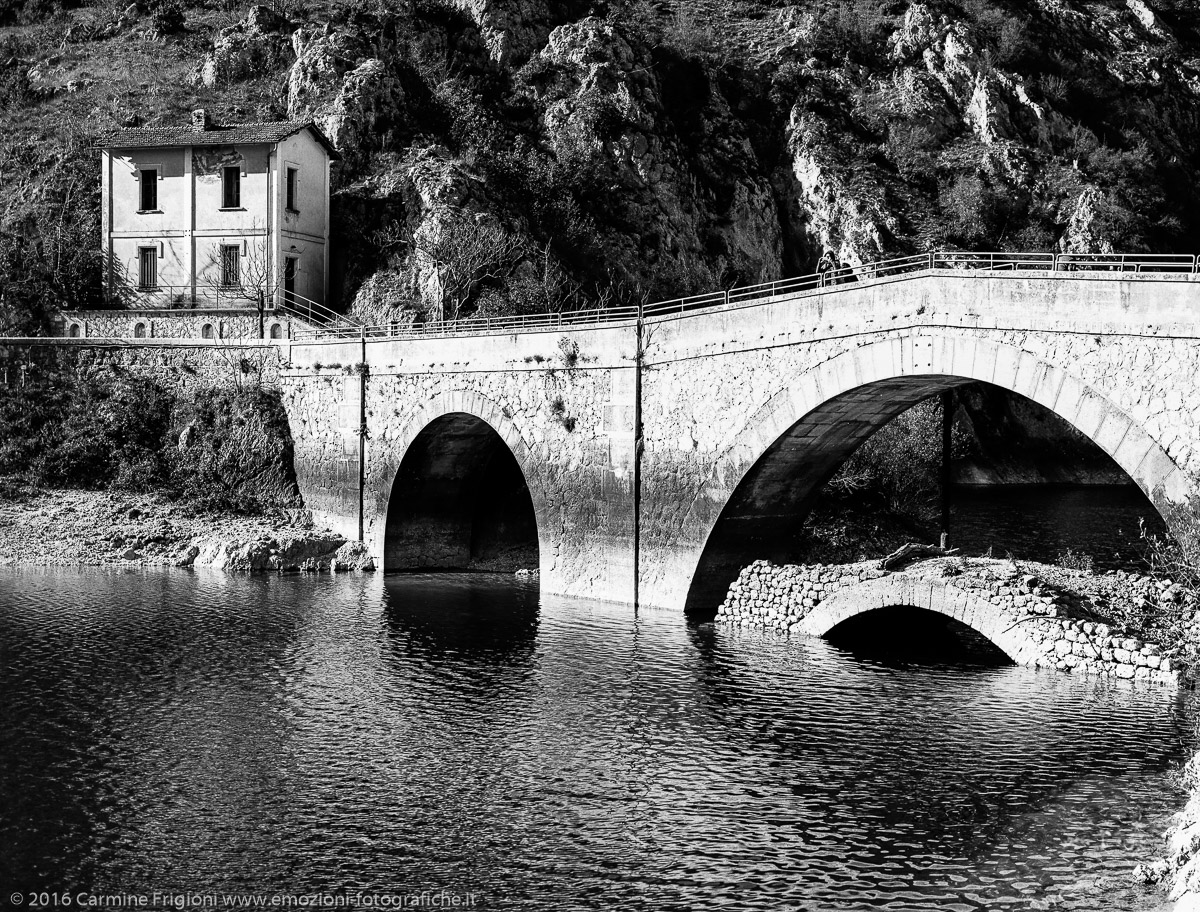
(468, 253)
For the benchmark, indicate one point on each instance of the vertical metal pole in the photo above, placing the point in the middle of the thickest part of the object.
(639, 356)
(947, 426)
(362, 427)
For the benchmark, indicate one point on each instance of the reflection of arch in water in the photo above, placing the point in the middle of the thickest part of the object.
(460, 501)
(491, 619)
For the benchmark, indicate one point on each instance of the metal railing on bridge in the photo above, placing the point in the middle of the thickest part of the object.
(322, 320)
(908, 266)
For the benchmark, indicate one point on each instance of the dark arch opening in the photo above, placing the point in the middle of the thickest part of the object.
(765, 516)
(905, 635)
(460, 502)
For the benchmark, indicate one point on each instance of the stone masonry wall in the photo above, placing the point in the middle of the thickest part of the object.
(173, 324)
(1035, 623)
(561, 401)
(1119, 360)
(795, 382)
(175, 366)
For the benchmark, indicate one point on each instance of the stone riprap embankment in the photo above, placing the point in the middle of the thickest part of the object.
(1039, 615)
(96, 528)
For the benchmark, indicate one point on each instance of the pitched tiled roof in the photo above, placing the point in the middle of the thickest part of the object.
(213, 135)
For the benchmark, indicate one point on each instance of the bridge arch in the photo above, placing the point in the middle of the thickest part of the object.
(461, 477)
(977, 613)
(766, 476)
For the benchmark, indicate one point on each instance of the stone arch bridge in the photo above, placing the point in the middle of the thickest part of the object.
(424, 446)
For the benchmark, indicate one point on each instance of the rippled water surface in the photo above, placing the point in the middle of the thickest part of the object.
(205, 733)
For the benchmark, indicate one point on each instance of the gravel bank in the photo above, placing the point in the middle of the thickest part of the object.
(96, 528)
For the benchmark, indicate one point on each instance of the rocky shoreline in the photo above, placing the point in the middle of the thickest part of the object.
(1179, 871)
(96, 528)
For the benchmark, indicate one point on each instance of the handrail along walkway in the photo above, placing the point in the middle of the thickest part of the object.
(908, 266)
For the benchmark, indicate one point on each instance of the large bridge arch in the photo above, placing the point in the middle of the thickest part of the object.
(980, 615)
(460, 432)
(819, 418)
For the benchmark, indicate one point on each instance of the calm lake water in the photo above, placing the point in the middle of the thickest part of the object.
(1040, 522)
(174, 731)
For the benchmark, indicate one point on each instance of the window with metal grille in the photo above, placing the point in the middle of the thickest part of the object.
(293, 186)
(231, 266)
(231, 187)
(147, 268)
(148, 196)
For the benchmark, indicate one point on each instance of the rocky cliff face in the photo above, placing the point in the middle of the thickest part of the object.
(582, 151)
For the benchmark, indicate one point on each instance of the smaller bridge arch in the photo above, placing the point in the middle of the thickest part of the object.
(980, 615)
(458, 478)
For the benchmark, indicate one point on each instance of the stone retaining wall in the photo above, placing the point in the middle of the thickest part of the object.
(175, 366)
(157, 323)
(1032, 622)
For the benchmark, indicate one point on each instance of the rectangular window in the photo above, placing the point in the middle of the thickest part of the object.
(148, 197)
(231, 187)
(293, 181)
(147, 268)
(231, 266)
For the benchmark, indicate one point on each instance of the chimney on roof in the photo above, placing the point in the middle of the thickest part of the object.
(200, 120)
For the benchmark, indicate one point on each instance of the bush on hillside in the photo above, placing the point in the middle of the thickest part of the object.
(61, 426)
(232, 449)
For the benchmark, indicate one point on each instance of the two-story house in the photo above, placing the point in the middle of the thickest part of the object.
(215, 217)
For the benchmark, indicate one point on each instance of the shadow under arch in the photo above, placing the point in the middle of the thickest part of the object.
(779, 461)
(460, 501)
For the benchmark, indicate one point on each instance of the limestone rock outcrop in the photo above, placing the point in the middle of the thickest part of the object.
(512, 29)
(344, 84)
(261, 43)
(679, 173)
(299, 551)
(1085, 232)
(854, 224)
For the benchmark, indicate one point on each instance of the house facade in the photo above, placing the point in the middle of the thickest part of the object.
(216, 217)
